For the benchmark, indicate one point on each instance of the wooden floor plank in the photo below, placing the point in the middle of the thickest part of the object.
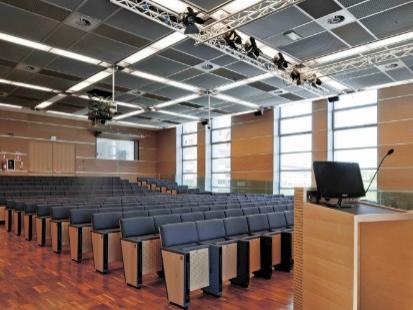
(32, 277)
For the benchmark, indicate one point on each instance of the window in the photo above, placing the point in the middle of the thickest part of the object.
(355, 134)
(221, 154)
(295, 146)
(115, 149)
(189, 141)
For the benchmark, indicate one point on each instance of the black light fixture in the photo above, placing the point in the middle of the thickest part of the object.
(233, 39)
(296, 76)
(252, 49)
(191, 18)
(280, 62)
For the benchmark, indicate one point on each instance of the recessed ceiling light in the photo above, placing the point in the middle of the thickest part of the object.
(392, 66)
(292, 35)
(83, 22)
(207, 66)
(336, 19)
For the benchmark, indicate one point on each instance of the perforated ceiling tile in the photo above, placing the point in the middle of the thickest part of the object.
(186, 74)
(138, 25)
(73, 67)
(306, 94)
(172, 92)
(200, 51)
(224, 60)
(319, 8)
(262, 86)
(276, 82)
(208, 5)
(21, 23)
(234, 76)
(368, 8)
(121, 36)
(98, 9)
(3, 71)
(31, 93)
(261, 98)
(236, 108)
(64, 36)
(20, 100)
(69, 4)
(244, 92)
(159, 65)
(408, 60)
(20, 76)
(276, 23)
(353, 34)
(51, 81)
(181, 57)
(207, 81)
(391, 22)
(290, 96)
(127, 81)
(245, 69)
(348, 3)
(12, 52)
(369, 80)
(41, 8)
(104, 49)
(314, 47)
(400, 74)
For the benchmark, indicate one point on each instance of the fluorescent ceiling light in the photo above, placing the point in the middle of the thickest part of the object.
(130, 124)
(6, 105)
(75, 56)
(49, 49)
(239, 5)
(49, 102)
(333, 83)
(236, 100)
(89, 81)
(245, 82)
(362, 49)
(24, 42)
(162, 80)
(176, 101)
(173, 5)
(66, 114)
(178, 114)
(26, 85)
(157, 46)
(126, 115)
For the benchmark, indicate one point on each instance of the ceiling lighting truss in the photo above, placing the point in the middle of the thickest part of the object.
(361, 62)
(167, 18)
(239, 19)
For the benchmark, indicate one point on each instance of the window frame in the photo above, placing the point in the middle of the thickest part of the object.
(183, 161)
(135, 149)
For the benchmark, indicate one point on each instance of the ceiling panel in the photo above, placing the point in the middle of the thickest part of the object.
(186, 74)
(276, 23)
(319, 8)
(138, 25)
(200, 51)
(69, 4)
(172, 92)
(159, 65)
(244, 92)
(40, 8)
(391, 22)
(245, 69)
(369, 80)
(98, 9)
(208, 5)
(207, 81)
(368, 8)
(353, 34)
(400, 74)
(11, 52)
(121, 36)
(19, 22)
(73, 67)
(180, 57)
(224, 60)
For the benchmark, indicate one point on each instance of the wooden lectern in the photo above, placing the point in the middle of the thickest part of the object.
(352, 258)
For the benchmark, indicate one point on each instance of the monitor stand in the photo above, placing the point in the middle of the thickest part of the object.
(339, 205)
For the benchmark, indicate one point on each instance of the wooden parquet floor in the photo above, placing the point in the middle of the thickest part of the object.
(32, 277)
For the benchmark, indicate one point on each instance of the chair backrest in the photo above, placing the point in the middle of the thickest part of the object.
(266, 209)
(60, 213)
(159, 212)
(210, 229)
(101, 221)
(180, 210)
(81, 215)
(214, 215)
(166, 219)
(192, 217)
(137, 226)
(233, 212)
(276, 220)
(200, 209)
(257, 223)
(137, 213)
(289, 217)
(250, 211)
(178, 233)
(236, 226)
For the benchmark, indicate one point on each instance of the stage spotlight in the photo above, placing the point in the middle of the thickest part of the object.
(190, 19)
(280, 62)
(296, 76)
(251, 48)
(233, 39)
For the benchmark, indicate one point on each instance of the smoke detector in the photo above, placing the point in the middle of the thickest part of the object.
(336, 19)
(206, 66)
(82, 22)
(28, 68)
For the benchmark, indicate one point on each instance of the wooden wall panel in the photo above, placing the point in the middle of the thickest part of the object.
(19, 130)
(41, 157)
(166, 154)
(252, 153)
(395, 130)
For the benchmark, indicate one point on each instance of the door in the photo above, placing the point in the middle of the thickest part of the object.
(63, 159)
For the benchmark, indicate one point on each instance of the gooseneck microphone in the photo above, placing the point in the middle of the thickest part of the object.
(389, 152)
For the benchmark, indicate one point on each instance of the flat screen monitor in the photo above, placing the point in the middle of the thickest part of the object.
(338, 179)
